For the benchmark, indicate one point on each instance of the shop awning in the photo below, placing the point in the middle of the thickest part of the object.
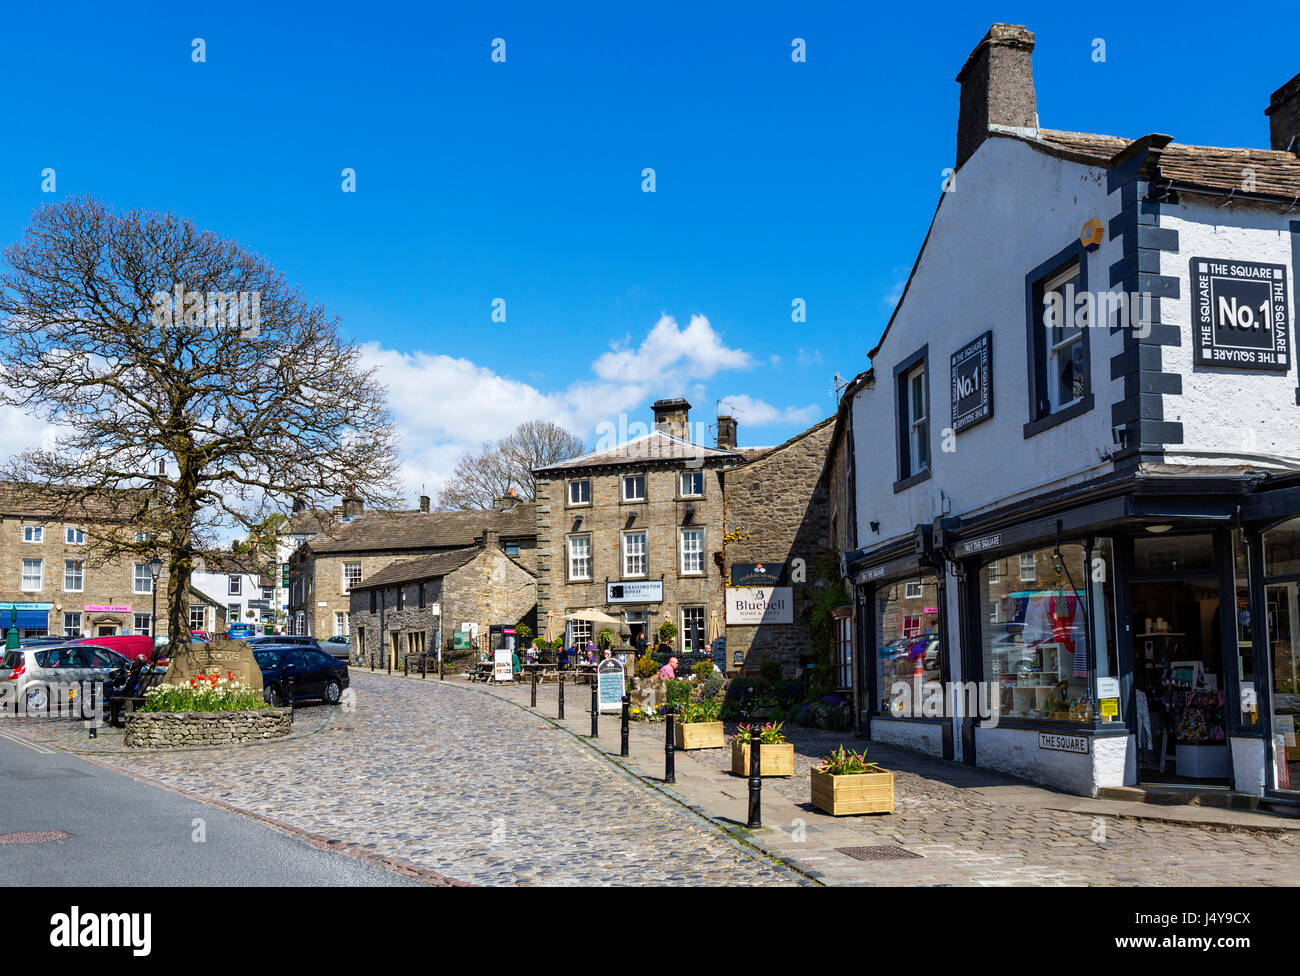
(27, 619)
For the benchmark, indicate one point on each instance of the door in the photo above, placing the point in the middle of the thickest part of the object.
(293, 666)
(1282, 601)
(106, 630)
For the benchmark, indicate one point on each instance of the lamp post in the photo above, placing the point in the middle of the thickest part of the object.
(155, 570)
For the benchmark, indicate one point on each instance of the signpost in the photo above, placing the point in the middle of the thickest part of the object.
(611, 682)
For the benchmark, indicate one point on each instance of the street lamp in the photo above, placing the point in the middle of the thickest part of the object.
(155, 570)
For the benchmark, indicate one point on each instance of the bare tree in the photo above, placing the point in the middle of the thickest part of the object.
(480, 479)
(195, 392)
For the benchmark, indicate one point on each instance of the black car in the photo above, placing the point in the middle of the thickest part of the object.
(283, 640)
(315, 674)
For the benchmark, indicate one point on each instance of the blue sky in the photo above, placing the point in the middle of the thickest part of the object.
(522, 180)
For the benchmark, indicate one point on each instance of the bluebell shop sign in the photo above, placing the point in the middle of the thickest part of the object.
(972, 383)
(1240, 315)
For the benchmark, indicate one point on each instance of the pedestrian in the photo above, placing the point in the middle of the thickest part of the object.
(669, 671)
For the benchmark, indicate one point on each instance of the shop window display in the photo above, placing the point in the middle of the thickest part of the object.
(908, 642)
(1034, 634)
(1282, 603)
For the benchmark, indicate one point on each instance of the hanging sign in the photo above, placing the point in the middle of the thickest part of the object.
(610, 686)
(1240, 315)
(760, 605)
(972, 383)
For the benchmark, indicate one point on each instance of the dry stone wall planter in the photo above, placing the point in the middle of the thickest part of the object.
(167, 730)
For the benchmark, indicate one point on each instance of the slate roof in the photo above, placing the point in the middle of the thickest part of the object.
(415, 569)
(1212, 167)
(656, 446)
(425, 530)
(36, 501)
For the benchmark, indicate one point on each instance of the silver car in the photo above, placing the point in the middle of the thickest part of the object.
(31, 674)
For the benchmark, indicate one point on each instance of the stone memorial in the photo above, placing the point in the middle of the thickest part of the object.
(235, 656)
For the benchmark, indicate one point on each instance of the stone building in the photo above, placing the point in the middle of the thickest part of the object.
(53, 573)
(636, 529)
(650, 530)
(403, 608)
(324, 569)
(776, 547)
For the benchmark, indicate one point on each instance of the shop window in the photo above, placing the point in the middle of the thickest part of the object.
(1282, 549)
(1282, 626)
(908, 642)
(913, 413)
(1249, 712)
(1034, 638)
(1173, 555)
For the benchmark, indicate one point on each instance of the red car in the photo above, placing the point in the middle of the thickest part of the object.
(128, 645)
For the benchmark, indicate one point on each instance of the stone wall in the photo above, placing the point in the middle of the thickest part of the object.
(163, 730)
(777, 512)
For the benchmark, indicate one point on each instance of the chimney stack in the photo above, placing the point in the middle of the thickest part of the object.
(673, 417)
(424, 503)
(997, 87)
(492, 538)
(726, 433)
(1284, 117)
(352, 505)
(507, 501)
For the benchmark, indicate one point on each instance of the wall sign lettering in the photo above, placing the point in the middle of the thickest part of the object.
(1240, 315)
(972, 383)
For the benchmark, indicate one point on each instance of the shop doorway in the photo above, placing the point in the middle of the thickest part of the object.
(1178, 674)
(105, 630)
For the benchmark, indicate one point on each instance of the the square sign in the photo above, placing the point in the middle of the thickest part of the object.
(1240, 315)
(972, 383)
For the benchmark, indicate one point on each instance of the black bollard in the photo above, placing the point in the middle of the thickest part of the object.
(372, 663)
(441, 675)
(289, 683)
(94, 723)
(627, 704)
(533, 703)
(406, 666)
(755, 778)
(424, 665)
(595, 712)
(389, 658)
(561, 714)
(670, 766)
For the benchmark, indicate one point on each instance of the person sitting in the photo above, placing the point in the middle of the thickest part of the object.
(669, 671)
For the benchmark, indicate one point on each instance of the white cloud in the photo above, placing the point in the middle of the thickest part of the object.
(809, 358)
(758, 413)
(696, 352)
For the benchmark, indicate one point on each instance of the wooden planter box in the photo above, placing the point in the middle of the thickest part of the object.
(699, 735)
(775, 760)
(854, 793)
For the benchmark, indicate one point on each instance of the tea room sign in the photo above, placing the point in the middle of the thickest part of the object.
(1240, 315)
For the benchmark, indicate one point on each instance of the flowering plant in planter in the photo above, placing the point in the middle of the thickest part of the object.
(768, 735)
(846, 762)
(214, 692)
(701, 711)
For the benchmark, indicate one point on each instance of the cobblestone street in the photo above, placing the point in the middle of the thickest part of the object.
(462, 780)
(456, 782)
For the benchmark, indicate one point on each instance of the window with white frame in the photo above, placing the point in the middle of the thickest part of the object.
(142, 624)
(33, 533)
(691, 616)
(918, 420)
(32, 576)
(268, 593)
(692, 484)
(143, 578)
(72, 624)
(198, 617)
(351, 575)
(340, 623)
(634, 488)
(913, 591)
(73, 575)
(579, 557)
(234, 585)
(1028, 567)
(692, 550)
(582, 633)
(1066, 351)
(74, 537)
(634, 554)
(580, 492)
(843, 649)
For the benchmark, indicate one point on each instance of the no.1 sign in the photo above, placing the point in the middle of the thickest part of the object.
(611, 683)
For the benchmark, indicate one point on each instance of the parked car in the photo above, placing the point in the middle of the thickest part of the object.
(339, 645)
(41, 641)
(129, 646)
(297, 640)
(34, 669)
(315, 673)
(241, 631)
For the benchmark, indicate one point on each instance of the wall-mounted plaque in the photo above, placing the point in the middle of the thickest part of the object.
(972, 383)
(1240, 315)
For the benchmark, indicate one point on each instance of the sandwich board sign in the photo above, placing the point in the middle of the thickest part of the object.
(611, 684)
(503, 667)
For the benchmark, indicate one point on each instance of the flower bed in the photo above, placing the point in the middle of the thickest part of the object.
(205, 693)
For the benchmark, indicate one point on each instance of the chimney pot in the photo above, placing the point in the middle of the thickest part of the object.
(997, 87)
(1284, 117)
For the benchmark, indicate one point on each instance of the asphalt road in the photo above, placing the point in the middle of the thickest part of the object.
(126, 832)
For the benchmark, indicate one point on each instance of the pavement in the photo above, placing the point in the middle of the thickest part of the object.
(67, 821)
(467, 782)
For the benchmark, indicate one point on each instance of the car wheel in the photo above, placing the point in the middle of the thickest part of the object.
(38, 698)
(272, 696)
(333, 691)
